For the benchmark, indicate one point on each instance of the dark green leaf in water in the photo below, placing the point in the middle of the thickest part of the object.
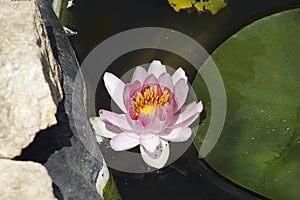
(213, 6)
(259, 147)
(110, 191)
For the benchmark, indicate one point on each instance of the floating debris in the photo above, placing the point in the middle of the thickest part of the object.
(70, 4)
(69, 32)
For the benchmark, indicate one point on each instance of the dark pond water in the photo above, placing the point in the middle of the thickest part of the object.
(97, 20)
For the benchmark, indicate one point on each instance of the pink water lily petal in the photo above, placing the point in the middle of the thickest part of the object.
(170, 108)
(145, 120)
(149, 141)
(157, 125)
(131, 112)
(129, 91)
(151, 80)
(159, 157)
(190, 121)
(156, 68)
(124, 141)
(180, 134)
(139, 74)
(162, 118)
(178, 74)
(162, 114)
(101, 128)
(114, 119)
(187, 116)
(115, 88)
(165, 80)
(181, 90)
(154, 123)
(136, 125)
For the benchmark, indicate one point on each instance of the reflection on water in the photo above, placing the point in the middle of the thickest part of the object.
(96, 20)
(187, 178)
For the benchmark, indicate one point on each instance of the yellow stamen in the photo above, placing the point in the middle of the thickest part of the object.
(149, 101)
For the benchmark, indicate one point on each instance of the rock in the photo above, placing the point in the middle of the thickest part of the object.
(29, 87)
(68, 150)
(24, 181)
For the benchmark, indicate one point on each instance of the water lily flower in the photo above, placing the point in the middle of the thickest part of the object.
(151, 117)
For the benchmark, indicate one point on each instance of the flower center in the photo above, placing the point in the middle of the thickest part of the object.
(148, 101)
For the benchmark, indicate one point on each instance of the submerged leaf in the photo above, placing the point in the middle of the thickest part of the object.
(260, 144)
(201, 6)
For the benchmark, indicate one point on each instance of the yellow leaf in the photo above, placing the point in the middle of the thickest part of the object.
(181, 4)
(200, 6)
(213, 6)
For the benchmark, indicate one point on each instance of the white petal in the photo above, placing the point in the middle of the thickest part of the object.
(181, 90)
(156, 68)
(180, 134)
(139, 74)
(100, 128)
(149, 141)
(189, 106)
(188, 116)
(158, 158)
(178, 74)
(115, 88)
(166, 81)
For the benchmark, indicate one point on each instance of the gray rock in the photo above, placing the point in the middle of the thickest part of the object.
(24, 181)
(29, 87)
(68, 150)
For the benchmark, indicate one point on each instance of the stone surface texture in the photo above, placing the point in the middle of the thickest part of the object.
(68, 150)
(24, 181)
(29, 88)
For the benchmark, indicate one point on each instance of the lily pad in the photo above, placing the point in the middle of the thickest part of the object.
(201, 6)
(259, 147)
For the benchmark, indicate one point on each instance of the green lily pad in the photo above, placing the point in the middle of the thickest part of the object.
(201, 6)
(259, 147)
